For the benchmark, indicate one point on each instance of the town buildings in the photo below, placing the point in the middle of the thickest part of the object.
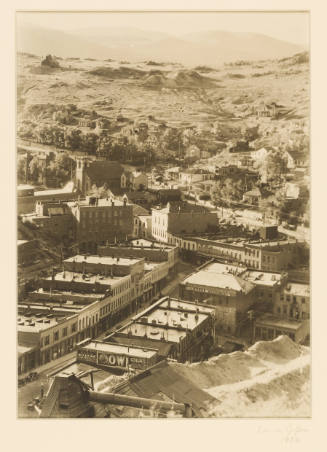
(89, 295)
(293, 302)
(109, 173)
(85, 222)
(186, 329)
(181, 217)
(188, 177)
(112, 356)
(99, 220)
(268, 255)
(28, 197)
(268, 327)
(222, 287)
(296, 159)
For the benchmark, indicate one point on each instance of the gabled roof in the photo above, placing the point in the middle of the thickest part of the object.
(138, 210)
(67, 389)
(298, 155)
(104, 171)
(254, 192)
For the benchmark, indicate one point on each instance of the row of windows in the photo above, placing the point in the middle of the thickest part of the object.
(92, 214)
(56, 335)
(269, 259)
(271, 333)
(87, 321)
(293, 298)
(159, 232)
(292, 313)
(112, 305)
(159, 220)
(251, 252)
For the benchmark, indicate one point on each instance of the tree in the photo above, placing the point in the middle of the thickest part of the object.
(34, 169)
(50, 61)
(73, 139)
(273, 167)
(61, 169)
(251, 133)
(89, 143)
(58, 134)
(104, 145)
(21, 170)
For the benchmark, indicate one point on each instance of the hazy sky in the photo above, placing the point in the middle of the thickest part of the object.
(292, 27)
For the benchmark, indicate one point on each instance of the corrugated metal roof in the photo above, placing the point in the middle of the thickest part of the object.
(163, 379)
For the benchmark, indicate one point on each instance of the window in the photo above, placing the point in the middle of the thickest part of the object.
(47, 340)
(74, 327)
(64, 332)
(281, 297)
(288, 298)
(56, 336)
(278, 310)
(303, 300)
(294, 298)
(284, 309)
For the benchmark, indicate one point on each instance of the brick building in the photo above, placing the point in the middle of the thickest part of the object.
(187, 328)
(99, 220)
(181, 217)
(87, 297)
(231, 295)
(293, 301)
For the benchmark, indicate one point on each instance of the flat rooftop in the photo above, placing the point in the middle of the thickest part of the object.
(25, 187)
(69, 276)
(301, 290)
(103, 260)
(263, 278)
(155, 332)
(120, 349)
(68, 293)
(149, 265)
(38, 322)
(217, 267)
(148, 244)
(101, 202)
(168, 319)
(183, 305)
(271, 320)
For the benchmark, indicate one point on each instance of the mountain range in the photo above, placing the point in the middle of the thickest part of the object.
(210, 47)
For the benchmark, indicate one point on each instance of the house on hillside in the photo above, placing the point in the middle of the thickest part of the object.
(260, 155)
(272, 110)
(296, 159)
(253, 197)
(172, 173)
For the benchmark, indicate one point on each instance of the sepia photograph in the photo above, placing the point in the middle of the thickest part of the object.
(163, 214)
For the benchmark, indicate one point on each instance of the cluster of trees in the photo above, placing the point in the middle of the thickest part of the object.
(229, 190)
(50, 61)
(59, 170)
(273, 167)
